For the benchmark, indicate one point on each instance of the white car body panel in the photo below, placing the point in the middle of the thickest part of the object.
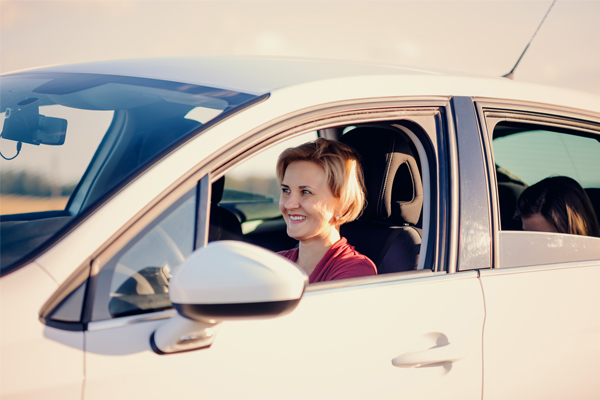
(516, 248)
(541, 332)
(362, 337)
(38, 362)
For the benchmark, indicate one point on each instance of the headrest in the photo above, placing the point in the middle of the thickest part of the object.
(392, 178)
(216, 192)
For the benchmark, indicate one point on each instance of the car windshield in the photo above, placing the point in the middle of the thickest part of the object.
(68, 138)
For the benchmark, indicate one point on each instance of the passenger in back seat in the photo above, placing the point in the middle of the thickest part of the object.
(558, 204)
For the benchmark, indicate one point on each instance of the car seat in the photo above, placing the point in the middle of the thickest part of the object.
(510, 188)
(387, 232)
(223, 225)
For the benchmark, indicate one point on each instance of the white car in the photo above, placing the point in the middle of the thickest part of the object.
(157, 276)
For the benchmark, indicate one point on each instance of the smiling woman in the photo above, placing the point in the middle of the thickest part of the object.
(321, 188)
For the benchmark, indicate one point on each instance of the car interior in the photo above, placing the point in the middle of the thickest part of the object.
(389, 231)
(544, 158)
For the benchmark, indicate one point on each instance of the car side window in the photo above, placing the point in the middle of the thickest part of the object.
(536, 154)
(525, 155)
(254, 178)
(525, 158)
(390, 235)
(251, 193)
(136, 279)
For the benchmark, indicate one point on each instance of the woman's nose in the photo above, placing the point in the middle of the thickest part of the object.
(292, 202)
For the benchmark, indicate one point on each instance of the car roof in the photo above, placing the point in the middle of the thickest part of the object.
(255, 75)
(260, 75)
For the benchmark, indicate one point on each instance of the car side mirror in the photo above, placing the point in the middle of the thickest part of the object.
(226, 280)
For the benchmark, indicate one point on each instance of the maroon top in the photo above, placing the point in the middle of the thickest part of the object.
(340, 262)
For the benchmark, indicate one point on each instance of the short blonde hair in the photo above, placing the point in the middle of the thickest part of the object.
(343, 173)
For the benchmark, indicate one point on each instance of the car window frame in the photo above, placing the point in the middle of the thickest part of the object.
(475, 226)
(435, 110)
(438, 136)
(491, 111)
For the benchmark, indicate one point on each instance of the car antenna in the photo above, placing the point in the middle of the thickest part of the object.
(511, 74)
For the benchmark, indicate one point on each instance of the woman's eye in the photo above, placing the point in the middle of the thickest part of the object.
(306, 192)
(285, 190)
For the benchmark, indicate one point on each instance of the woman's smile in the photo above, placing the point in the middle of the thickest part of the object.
(297, 218)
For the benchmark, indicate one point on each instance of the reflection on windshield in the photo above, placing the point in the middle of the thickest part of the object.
(67, 139)
(43, 177)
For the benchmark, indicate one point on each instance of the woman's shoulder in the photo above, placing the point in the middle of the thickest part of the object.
(349, 255)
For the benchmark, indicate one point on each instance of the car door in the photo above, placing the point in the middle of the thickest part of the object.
(413, 334)
(542, 300)
(37, 361)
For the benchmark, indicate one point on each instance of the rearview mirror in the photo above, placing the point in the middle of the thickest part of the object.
(27, 125)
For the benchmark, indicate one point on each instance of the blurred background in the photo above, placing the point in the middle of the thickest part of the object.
(479, 37)
(476, 37)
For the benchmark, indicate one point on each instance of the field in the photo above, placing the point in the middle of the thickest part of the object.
(24, 204)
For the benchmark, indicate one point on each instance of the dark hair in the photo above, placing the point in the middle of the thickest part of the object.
(342, 170)
(563, 202)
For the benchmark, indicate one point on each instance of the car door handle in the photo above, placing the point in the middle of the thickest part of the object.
(447, 353)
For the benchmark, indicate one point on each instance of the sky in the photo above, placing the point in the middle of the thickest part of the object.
(478, 37)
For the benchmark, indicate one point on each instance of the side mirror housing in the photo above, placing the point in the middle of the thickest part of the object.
(236, 280)
(226, 280)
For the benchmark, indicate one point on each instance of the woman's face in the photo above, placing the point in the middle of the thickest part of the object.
(537, 222)
(306, 202)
